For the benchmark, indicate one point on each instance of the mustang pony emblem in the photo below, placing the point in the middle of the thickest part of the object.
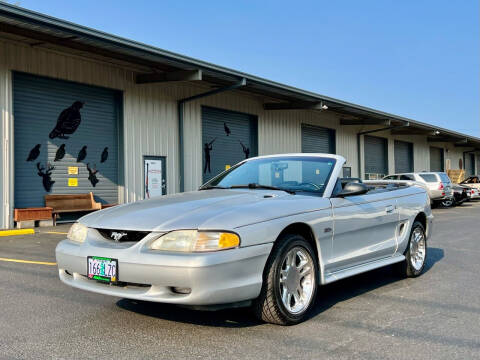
(117, 236)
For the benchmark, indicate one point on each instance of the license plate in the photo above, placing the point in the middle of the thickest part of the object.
(102, 269)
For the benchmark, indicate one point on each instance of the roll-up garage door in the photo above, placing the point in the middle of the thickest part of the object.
(403, 152)
(317, 139)
(436, 159)
(470, 164)
(376, 157)
(228, 137)
(66, 140)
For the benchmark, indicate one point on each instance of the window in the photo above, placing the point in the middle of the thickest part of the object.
(444, 177)
(407, 177)
(391, 177)
(429, 177)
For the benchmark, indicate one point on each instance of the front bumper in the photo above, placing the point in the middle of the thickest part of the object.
(214, 278)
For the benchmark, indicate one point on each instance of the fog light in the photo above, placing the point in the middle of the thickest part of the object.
(181, 290)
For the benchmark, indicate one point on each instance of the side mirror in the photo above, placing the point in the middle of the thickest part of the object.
(352, 188)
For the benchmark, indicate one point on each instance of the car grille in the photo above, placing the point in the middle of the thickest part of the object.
(122, 235)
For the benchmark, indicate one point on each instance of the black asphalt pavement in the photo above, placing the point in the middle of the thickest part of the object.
(371, 316)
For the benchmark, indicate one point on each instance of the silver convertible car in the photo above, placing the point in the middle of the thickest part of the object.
(265, 233)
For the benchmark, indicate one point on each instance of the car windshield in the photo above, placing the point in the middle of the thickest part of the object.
(290, 173)
(471, 180)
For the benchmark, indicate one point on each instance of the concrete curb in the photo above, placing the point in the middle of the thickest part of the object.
(16, 232)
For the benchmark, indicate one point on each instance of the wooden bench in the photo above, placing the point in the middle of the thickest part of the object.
(70, 203)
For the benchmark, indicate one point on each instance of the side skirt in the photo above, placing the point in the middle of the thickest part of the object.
(342, 274)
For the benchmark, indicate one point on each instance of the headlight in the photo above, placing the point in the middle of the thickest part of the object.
(195, 241)
(77, 233)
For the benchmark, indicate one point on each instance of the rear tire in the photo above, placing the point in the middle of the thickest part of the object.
(446, 203)
(416, 252)
(289, 282)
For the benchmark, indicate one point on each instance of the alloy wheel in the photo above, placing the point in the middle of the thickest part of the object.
(297, 280)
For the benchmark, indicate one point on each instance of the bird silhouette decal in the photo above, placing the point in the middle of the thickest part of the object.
(46, 176)
(60, 153)
(68, 121)
(92, 174)
(33, 155)
(245, 149)
(82, 154)
(104, 156)
(227, 129)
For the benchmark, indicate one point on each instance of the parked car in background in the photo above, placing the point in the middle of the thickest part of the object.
(472, 182)
(460, 195)
(472, 193)
(266, 232)
(437, 184)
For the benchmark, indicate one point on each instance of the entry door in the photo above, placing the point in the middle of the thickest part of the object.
(228, 137)
(436, 159)
(154, 176)
(470, 164)
(364, 229)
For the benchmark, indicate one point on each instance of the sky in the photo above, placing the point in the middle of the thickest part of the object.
(415, 58)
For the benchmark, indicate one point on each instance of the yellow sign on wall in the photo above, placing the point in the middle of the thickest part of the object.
(73, 170)
(72, 182)
(227, 167)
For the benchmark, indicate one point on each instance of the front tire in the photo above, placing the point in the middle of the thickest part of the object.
(416, 252)
(289, 282)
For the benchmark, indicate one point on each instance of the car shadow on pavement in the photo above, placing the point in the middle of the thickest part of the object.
(228, 318)
(327, 297)
(348, 288)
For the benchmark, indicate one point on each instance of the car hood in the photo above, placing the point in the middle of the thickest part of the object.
(209, 209)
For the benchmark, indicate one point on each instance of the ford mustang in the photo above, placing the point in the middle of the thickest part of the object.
(266, 233)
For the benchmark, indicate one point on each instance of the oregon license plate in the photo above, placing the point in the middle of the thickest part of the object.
(102, 268)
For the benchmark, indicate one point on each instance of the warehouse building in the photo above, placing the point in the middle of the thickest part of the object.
(85, 111)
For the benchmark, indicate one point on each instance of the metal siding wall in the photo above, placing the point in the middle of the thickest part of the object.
(6, 196)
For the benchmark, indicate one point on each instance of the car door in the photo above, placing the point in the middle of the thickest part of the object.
(364, 229)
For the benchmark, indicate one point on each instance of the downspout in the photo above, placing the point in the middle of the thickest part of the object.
(359, 156)
(181, 103)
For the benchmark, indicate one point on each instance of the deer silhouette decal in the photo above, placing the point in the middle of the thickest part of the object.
(46, 176)
(92, 174)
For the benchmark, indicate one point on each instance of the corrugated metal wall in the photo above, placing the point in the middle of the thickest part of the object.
(150, 120)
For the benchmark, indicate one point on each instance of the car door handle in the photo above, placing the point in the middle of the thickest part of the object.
(389, 209)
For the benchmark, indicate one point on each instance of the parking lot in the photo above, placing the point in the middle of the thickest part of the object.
(372, 316)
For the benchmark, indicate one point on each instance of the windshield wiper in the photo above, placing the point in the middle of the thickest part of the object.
(259, 186)
(210, 187)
